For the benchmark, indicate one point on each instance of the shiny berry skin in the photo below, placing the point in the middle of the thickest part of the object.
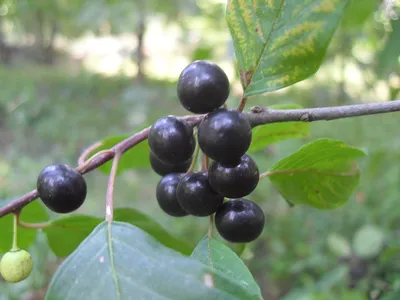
(16, 265)
(239, 221)
(225, 135)
(162, 168)
(61, 188)
(166, 195)
(234, 182)
(196, 196)
(171, 140)
(202, 87)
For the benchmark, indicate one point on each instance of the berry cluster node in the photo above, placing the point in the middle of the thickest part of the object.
(224, 135)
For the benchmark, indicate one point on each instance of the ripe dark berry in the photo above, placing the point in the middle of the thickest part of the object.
(239, 221)
(202, 87)
(166, 195)
(171, 140)
(225, 135)
(196, 196)
(162, 168)
(61, 188)
(237, 181)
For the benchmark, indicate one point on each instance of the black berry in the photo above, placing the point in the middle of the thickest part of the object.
(237, 181)
(239, 221)
(171, 140)
(202, 87)
(225, 135)
(196, 196)
(166, 195)
(61, 188)
(162, 168)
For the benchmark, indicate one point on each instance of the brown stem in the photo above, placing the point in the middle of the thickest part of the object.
(242, 104)
(85, 154)
(257, 116)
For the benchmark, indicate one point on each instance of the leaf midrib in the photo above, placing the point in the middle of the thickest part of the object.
(266, 44)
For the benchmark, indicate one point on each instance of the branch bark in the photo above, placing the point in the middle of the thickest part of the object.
(257, 116)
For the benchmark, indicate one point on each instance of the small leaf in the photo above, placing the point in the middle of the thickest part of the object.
(145, 223)
(280, 42)
(368, 241)
(339, 245)
(271, 133)
(220, 257)
(137, 157)
(125, 262)
(65, 234)
(322, 174)
(34, 212)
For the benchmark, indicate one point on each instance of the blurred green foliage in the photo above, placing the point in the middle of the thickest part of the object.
(48, 114)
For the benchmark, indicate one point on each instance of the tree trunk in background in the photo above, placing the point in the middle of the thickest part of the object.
(45, 48)
(5, 53)
(140, 49)
(49, 47)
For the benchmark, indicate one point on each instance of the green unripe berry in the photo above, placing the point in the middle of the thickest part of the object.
(16, 265)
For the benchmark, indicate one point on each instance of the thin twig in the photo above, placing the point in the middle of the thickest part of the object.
(33, 225)
(242, 104)
(262, 115)
(85, 154)
(110, 188)
(257, 116)
(84, 164)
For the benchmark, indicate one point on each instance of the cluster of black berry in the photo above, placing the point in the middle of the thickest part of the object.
(224, 136)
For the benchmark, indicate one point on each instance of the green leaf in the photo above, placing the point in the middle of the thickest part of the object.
(147, 224)
(125, 262)
(65, 234)
(357, 12)
(339, 245)
(220, 257)
(34, 212)
(137, 157)
(368, 241)
(322, 174)
(280, 42)
(388, 59)
(271, 133)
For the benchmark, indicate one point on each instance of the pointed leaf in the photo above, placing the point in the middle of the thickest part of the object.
(147, 224)
(34, 212)
(281, 42)
(322, 174)
(137, 157)
(220, 257)
(65, 234)
(126, 263)
(265, 135)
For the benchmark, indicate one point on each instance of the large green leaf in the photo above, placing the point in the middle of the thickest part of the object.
(137, 157)
(322, 174)
(280, 42)
(119, 261)
(147, 224)
(65, 234)
(33, 212)
(220, 257)
(265, 135)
